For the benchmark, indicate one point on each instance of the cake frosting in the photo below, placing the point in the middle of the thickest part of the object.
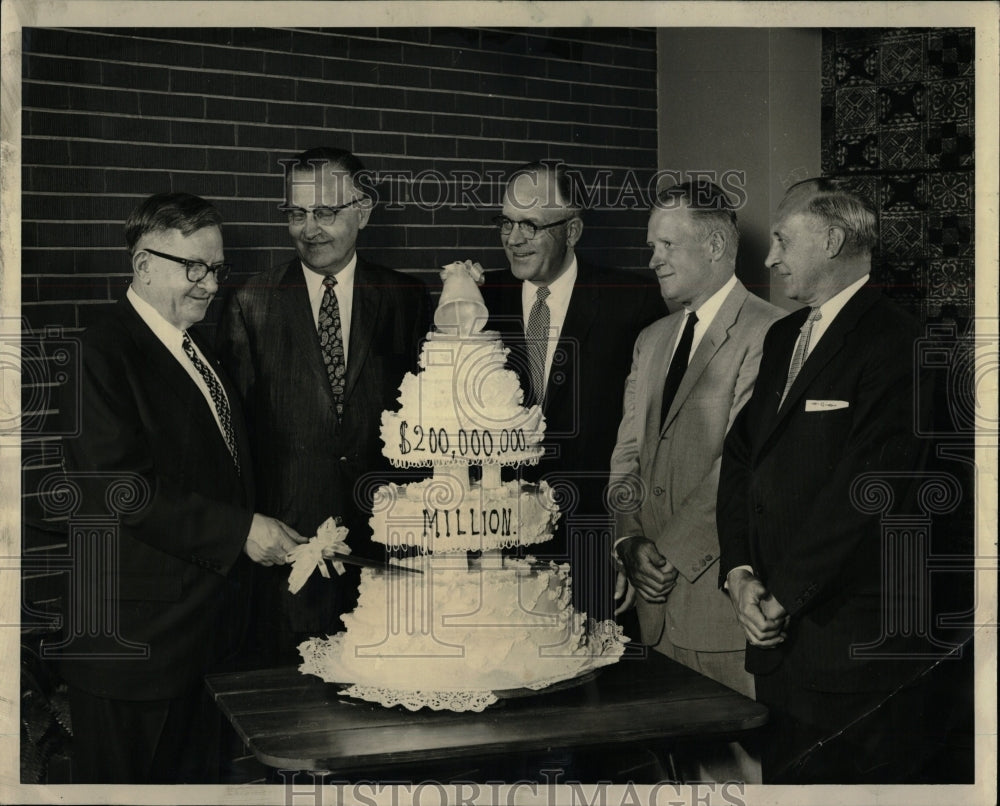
(467, 624)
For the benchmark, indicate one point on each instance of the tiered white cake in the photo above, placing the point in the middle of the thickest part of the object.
(468, 625)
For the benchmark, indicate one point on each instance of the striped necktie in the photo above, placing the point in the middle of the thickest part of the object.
(218, 395)
(538, 343)
(801, 351)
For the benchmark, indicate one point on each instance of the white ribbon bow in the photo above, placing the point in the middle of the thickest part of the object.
(307, 557)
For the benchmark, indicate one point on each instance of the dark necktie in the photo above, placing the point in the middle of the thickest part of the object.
(219, 399)
(331, 342)
(678, 364)
(538, 343)
(801, 350)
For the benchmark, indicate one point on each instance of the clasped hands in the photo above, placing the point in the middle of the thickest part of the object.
(762, 617)
(648, 571)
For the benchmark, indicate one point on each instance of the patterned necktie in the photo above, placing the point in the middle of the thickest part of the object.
(678, 365)
(331, 342)
(538, 343)
(801, 350)
(219, 399)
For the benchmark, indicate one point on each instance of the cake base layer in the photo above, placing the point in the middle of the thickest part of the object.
(455, 629)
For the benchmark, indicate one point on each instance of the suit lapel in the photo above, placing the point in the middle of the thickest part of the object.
(584, 304)
(828, 347)
(176, 382)
(653, 373)
(367, 302)
(297, 312)
(714, 337)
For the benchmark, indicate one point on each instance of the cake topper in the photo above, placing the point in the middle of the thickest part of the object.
(461, 309)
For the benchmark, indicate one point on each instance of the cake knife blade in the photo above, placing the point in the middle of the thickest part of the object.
(364, 562)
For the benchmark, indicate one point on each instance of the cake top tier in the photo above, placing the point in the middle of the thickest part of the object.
(463, 404)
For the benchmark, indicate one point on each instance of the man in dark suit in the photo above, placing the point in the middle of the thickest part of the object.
(317, 349)
(570, 327)
(161, 424)
(802, 552)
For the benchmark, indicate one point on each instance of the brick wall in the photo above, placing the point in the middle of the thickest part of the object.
(113, 115)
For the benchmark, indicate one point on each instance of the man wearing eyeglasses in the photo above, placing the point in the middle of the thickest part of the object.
(317, 348)
(160, 422)
(570, 326)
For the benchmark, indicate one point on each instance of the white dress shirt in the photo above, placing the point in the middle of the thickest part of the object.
(706, 314)
(344, 289)
(560, 292)
(172, 338)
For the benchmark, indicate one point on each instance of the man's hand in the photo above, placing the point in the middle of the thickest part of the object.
(623, 591)
(762, 617)
(649, 571)
(270, 540)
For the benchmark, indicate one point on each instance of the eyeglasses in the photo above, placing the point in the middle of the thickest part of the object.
(528, 230)
(323, 215)
(196, 269)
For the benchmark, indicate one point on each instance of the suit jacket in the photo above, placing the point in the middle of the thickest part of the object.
(677, 465)
(307, 463)
(181, 582)
(787, 506)
(583, 398)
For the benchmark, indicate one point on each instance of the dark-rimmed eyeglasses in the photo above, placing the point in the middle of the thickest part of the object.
(324, 215)
(197, 270)
(528, 230)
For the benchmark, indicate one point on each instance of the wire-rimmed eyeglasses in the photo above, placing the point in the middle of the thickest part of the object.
(528, 229)
(324, 214)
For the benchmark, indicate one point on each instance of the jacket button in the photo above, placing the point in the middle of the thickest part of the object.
(657, 491)
(343, 458)
(758, 508)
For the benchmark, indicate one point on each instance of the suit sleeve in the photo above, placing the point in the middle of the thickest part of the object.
(115, 441)
(625, 489)
(732, 523)
(691, 538)
(882, 442)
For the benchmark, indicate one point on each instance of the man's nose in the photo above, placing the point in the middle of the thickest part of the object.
(209, 282)
(772, 258)
(516, 236)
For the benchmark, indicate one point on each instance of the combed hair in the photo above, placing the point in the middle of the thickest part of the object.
(568, 191)
(837, 205)
(711, 209)
(167, 211)
(327, 158)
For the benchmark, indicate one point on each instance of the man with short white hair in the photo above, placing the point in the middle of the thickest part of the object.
(836, 403)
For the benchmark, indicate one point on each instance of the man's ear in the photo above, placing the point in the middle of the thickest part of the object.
(574, 229)
(717, 245)
(140, 266)
(365, 207)
(835, 239)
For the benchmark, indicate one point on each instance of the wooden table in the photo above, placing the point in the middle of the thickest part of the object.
(291, 721)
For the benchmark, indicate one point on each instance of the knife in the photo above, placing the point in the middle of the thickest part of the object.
(364, 562)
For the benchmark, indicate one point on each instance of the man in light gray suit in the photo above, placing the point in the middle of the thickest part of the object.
(691, 373)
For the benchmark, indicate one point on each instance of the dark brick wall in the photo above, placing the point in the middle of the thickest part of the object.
(113, 115)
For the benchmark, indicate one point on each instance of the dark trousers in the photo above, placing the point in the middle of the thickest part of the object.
(171, 741)
(823, 737)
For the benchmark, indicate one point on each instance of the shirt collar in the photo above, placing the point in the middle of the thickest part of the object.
(560, 289)
(710, 307)
(344, 277)
(829, 309)
(166, 332)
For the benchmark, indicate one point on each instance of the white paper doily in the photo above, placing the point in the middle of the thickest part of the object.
(322, 658)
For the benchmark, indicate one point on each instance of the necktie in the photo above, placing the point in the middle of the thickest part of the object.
(538, 343)
(331, 341)
(678, 365)
(801, 349)
(219, 399)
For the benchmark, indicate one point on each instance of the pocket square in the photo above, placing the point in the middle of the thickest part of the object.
(826, 405)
